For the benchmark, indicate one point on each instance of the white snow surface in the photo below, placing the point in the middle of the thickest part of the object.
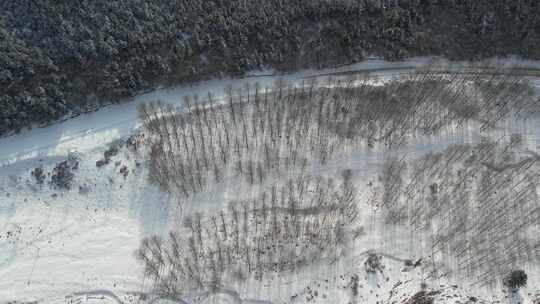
(76, 247)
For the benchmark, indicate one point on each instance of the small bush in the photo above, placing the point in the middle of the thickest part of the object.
(102, 162)
(124, 171)
(421, 297)
(113, 149)
(373, 264)
(62, 174)
(39, 174)
(516, 279)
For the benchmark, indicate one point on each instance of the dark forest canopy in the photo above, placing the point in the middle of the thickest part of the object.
(59, 57)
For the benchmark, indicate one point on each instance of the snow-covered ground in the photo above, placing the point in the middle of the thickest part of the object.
(91, 130)
(77, 245)
(87, 131)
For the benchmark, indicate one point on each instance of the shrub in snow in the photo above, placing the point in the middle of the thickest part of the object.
(39, 174)
(113, 150)
(516, 279)
(124, 171)
(84, 189)
(373, 263)
(62, 174)
(422, 297)
(354, 284)
(135, 140)
(102, 162)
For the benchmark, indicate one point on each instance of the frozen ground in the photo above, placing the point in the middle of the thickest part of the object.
(77, 245)
(85, 132)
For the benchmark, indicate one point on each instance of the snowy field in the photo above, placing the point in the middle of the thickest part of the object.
(78, 245)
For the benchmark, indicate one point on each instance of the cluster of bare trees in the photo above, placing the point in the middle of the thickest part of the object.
(258, 132)
(293, 224)
(473, 207)
(502, 96)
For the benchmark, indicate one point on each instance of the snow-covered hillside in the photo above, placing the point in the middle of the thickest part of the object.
(76, 243)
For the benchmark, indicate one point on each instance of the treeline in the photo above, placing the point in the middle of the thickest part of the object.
(60, 57)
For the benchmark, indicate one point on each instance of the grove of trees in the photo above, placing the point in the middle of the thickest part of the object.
(257, 133)
(470, 207)
(292, 225)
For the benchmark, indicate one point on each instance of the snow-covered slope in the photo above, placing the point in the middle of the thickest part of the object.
(91, 130)
(87, 131)
(77, 245)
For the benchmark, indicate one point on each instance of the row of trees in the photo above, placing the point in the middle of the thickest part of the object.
(59, 57)
(471, 207)
(290, 226)
(255, 133)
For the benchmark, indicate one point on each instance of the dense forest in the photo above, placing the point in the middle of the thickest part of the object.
(61, 57)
